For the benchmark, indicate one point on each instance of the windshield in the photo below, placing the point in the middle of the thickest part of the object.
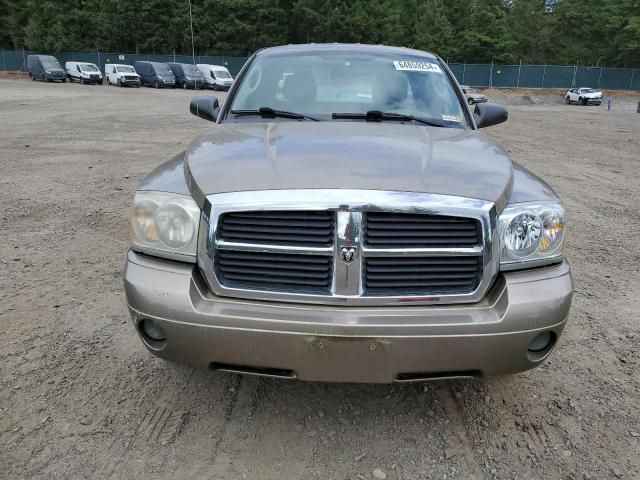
(126, 69)
(163, 69)
(587, 90)
(51, 64)
(222, 74)
(88, 67)
(321, 83)
(191, 70)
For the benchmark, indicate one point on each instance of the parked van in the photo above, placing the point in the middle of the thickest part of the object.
(187, 75)
(216, 76)
(155, 74)
(83, 72)
(46, 68)
(121, 75)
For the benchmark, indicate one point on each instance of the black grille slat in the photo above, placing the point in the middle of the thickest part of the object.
(275, 271)
(296, 228)
(398, 230)
(421, 275)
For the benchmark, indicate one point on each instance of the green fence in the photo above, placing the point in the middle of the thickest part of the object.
(545, 76)
(474, 74)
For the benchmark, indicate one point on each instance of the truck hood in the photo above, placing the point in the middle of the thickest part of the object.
(237, 157)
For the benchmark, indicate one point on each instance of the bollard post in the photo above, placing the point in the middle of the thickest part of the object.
(609, 105)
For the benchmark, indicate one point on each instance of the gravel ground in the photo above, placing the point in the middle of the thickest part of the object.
(81, 398)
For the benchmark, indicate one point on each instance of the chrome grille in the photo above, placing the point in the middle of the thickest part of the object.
(356, 247)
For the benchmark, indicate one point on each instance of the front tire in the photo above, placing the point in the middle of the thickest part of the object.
(119, 82)
(568, 100)
(582, 101)
(470, 101)
(156, 84)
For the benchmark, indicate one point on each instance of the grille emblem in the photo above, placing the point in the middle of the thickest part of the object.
(348, 254)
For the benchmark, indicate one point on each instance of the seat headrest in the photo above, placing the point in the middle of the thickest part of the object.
(299, 87)
(390, 88)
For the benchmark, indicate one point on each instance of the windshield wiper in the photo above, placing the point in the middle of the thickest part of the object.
(268, 112)
(378, 116)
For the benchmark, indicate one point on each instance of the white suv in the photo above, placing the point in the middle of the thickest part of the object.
(583, 96)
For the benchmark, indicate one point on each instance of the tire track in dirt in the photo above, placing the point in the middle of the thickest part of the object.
(460, 442)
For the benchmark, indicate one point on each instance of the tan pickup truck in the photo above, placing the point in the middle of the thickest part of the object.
(343, 219)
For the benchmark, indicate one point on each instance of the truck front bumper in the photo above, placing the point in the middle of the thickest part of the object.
(348, 344)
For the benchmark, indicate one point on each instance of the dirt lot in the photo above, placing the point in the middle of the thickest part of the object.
(81, 398)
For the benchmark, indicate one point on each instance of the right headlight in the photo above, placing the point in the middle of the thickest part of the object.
(165, 225)
(531, 235)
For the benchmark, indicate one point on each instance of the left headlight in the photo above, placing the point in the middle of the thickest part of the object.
(531, 235)
(165, 225)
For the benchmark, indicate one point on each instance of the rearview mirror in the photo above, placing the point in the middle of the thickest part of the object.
(206, 107)
(488, 114)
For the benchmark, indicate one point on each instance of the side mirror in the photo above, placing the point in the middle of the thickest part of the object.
(206, 107)
(488, 114)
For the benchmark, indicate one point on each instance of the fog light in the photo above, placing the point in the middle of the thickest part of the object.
(540, 342)
(153, 330)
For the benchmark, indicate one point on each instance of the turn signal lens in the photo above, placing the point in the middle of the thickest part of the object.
(552, 230)
(143, 222)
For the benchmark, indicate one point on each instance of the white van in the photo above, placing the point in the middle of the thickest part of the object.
(121, 75)
(216, 76)
(83, 72)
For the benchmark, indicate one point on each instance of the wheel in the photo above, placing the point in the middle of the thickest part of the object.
(157, 84)
(581, 101)
(81, 80)
(64, 80)
(568, 100)
(33, 79)
(470, 101)
(119, 82)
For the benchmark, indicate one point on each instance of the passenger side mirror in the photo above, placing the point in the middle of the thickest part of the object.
(206, 107)
(488, 114)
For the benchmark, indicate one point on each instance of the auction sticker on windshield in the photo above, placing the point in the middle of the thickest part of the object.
(412, 66)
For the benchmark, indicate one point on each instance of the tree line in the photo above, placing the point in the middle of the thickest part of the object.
(591, 32)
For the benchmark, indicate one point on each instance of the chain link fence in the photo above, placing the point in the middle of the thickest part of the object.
(473, 74)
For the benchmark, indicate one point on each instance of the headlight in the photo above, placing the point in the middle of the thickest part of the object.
(531, 234)
(165, 225)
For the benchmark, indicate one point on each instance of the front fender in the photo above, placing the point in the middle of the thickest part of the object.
(168, 177)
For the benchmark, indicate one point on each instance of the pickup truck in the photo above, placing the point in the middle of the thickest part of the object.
(343, 219)
(583, 96)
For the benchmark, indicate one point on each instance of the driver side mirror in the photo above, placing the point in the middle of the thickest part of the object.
(206, 107)
(488, 114)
